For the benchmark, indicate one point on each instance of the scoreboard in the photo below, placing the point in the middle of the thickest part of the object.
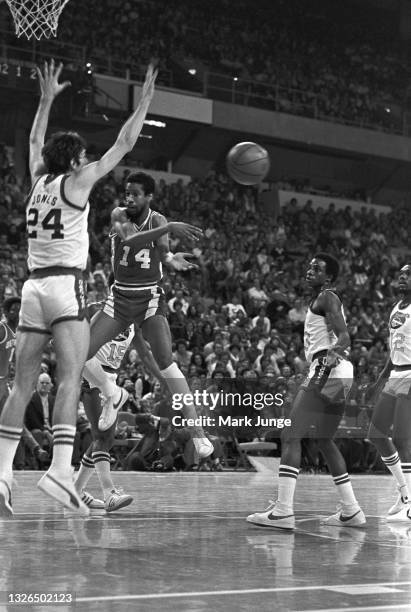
(18, 75)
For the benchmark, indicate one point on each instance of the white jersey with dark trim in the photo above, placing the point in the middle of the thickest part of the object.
(400, 335)
(111, 354)
(318, 334)
(57, 228)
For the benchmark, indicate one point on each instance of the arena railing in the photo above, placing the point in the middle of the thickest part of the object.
(216, 86)
(289, 100)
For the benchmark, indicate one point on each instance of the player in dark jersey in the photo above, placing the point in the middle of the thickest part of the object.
(139, 250)
(319, 403)
(11, 309)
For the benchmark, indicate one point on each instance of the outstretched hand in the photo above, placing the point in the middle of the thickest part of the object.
(48, 79)
(148, 86)
(185, 230)
(180, 263)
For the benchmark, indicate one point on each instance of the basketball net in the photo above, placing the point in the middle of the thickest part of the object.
(38, 18)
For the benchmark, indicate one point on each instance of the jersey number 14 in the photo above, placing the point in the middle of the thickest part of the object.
(142, 257)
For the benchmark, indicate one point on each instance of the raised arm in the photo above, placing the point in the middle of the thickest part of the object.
(49, 88)
(84, 180)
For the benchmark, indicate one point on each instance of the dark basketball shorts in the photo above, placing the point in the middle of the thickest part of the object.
(135, 306)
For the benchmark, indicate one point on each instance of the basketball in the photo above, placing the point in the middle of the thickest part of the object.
(248, 163)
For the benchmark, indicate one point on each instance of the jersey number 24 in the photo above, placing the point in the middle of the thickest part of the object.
(52, 222)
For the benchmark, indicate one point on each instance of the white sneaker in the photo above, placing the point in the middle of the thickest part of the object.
(341, 519)
(402, 500)
(403, 516)
(110, 410)
(6, 509)
(91, 502)
(274, 516)
(116, 500)
(62, 489)
(203, 447)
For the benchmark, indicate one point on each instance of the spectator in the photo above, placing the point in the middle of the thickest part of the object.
(39, 412)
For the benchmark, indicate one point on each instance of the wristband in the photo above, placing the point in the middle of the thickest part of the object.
(168, 257)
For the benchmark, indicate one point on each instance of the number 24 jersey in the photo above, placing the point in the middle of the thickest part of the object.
(57, 228)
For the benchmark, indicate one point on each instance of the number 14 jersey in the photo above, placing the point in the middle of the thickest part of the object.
(56, 228)
(135, 268)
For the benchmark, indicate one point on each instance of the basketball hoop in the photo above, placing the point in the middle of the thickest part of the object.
(38, 18)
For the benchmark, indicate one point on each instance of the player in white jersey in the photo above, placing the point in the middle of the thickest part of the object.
(390, 426)
(53, 299)
(319, 404)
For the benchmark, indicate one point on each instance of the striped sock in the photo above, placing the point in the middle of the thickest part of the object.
(406, 470)
(85, 472)
(102, 464)
(394, 465)
(63, 440)
(345, 490)
(9, 441)
(287, 480)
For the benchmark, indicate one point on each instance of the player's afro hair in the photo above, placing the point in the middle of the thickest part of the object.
(144, 179)
(332, 267)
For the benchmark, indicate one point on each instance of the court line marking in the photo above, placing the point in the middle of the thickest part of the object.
(242, 592)
(360, 608)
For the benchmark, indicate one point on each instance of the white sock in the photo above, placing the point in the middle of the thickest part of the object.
(345, 491)
(102, 464)
(9, 441)
(63, 440)
(406, 470)
(393, 463)
(97, 377)
(85, 472)
(287, 480)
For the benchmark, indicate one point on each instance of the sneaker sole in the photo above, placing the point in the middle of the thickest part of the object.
(339, 524)
(123, 504)
(394, 519)
(271, 525)
(102, 425)
(60, 493)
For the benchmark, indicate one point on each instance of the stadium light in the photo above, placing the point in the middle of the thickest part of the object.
(159, 124)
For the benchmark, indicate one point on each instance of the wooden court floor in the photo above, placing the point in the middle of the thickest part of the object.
(184, 545)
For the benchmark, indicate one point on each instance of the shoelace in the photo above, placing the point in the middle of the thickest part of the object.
(118, 491)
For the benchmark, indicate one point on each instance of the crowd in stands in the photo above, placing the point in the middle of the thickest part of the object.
(341, 61)
(239, 317)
